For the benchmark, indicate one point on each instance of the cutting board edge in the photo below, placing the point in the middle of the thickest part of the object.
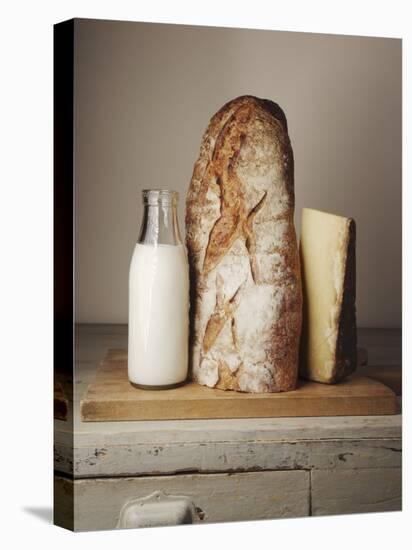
(92, 411)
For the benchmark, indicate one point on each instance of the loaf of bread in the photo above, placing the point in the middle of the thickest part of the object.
(327, 249)
(245, 283)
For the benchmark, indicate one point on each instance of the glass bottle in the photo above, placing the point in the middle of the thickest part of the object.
(158, 297)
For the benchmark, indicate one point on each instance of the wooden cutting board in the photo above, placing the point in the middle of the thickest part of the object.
(112, 398)
(390, 375)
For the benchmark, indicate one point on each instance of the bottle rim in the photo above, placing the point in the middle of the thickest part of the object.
(155, 197)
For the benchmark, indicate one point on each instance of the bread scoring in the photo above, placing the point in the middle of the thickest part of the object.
(246, 298)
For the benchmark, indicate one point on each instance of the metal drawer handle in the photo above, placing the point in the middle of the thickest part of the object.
(155, 510)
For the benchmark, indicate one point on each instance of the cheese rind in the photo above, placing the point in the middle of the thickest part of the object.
(327, 253)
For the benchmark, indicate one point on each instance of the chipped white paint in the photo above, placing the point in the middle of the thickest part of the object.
(223, 456)
(356, 491)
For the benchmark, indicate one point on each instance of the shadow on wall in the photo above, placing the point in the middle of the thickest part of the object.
(43, 513)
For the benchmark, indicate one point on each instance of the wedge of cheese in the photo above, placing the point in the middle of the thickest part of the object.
(327, 253)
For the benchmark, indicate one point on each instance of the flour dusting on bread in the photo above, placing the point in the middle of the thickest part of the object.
(246, 297)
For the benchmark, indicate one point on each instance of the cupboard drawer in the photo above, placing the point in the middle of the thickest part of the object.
(356, 491)
(108, 503)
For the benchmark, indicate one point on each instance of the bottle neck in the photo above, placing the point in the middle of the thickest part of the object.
(160, 225)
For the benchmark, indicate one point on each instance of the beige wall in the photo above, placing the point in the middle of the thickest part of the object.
(144, 94)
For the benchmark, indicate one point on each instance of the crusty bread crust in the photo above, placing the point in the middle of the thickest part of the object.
(246, 297)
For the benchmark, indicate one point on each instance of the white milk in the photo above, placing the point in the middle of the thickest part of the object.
(158, 315)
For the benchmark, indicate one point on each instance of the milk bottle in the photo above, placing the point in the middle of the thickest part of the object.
(158, 297)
